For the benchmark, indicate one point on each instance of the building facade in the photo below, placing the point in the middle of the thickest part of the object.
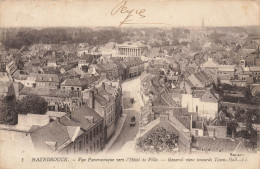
(48, 81)
(130, 49)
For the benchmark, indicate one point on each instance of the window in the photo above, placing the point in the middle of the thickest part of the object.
(68, 150)
(100, 128)
(94, 147)
(97, 144)
(196, 132)
(80, 146)
(91, 149)
(90, 136)
(94, 132)
(97, 130)
(86, 139)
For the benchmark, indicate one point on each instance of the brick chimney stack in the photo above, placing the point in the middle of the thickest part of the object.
(92, 99)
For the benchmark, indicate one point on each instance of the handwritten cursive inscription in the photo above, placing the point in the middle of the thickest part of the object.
(130, 13)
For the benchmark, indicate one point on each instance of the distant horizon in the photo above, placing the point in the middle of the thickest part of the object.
(127, 27)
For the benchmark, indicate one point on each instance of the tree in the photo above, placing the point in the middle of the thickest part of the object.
(160, 140)
(232, 126)
(85, 68)
(8, 111)
(32, 104)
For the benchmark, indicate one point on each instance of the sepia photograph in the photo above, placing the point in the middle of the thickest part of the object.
(129, 84)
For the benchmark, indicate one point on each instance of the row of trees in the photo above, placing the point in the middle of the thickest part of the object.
(10, 108)
(224, 89)
(16, 38)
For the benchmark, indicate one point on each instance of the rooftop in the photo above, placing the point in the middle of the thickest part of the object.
(218, 144)
(47, 78)
(48, 92)
(71, 82)
(61, 132)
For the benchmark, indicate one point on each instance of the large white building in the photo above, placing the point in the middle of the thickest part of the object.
(129, 49)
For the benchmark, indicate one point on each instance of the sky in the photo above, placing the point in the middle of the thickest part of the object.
(169, 13)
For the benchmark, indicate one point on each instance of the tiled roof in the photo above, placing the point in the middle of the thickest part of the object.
(195, 81)
(78, 117)
(217, 144)
(62, 132)
(49, 70)
(119, 63)
(53, 132)
(254, 69)
(209, 97)
(226, 68)
(189, 83)
(105, 93)
(107, 66)
(48, 92)
(100, 99)
(4, 86)
(182, 115)
(66, 67)
(210, 64)
(168, 99)
(198, 93)
(184, 120)
(202, 76)
(160, 109)
(71, 82)
(129, 62)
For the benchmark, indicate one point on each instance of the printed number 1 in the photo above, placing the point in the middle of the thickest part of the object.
(22, 159)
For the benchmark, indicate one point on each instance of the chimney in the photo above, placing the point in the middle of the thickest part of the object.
(69, 114)
(92, 99)
(103, 85)
(58, 119)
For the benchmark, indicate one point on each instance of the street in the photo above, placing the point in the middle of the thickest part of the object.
(131, 88)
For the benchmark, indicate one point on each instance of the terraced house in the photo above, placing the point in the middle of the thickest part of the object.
(47, 81)
(104, 98)
(135, 66)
